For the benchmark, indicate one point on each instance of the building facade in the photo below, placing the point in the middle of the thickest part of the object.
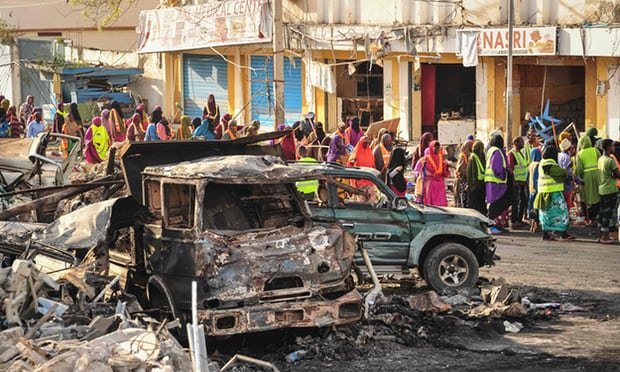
(52, 33)
(424, 62)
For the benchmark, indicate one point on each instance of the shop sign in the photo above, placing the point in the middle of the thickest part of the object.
(214, 23)
(530, 41)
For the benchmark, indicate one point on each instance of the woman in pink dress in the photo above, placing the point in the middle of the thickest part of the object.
(433, 169)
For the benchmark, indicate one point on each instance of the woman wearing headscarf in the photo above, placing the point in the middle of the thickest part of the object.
(109, 126)
(134, 128)
(287, 144)
(144, 120)
(156, 115)
(5, 104)
(587, 170)
(163, 130)
(535, 158)
(73, 109)
(337, 152)
(354, 132)
(565, 161)
(17, 128)
(434, 169)
(550, 202)
(396, 172)
(425, 140)
(184, 131)
(26, 109)
(320, 132)
(475, 178)
(461, 194)
(97, 142)
(498, 180)
(211, 110)
(377, 140)
(205, 130)
(70, 128)
(59, 119)
(118, 122)
(222, 126)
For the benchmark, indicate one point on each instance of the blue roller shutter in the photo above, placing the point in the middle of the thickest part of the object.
(204, 75)
(262, 90)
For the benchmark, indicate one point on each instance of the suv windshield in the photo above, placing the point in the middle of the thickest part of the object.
(250, 206)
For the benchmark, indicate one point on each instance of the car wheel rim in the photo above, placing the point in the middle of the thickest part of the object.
(453, 270)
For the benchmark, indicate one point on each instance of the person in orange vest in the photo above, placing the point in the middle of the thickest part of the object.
(433, 169)
(382, 153)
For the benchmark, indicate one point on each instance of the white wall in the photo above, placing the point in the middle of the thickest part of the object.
(6, 76)
(425, 12)
(33, 16)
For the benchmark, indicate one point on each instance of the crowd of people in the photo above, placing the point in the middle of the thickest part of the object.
(524, 184)
(528, 184)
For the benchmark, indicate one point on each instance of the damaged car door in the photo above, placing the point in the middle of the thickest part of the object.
(370, 214)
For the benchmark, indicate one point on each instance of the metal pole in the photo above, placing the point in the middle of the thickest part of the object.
(509, 76)
(278, 63)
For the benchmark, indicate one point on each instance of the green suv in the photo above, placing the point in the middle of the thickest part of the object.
(447, 245)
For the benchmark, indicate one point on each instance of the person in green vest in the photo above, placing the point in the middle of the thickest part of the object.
(475, 178)
(518, 164)
(498, 182)
(587, 170)
(307, 188)
(609, 193)
(550, 202)
(532, 143)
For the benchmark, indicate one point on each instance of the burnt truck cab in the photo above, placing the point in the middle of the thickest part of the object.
(237, 226)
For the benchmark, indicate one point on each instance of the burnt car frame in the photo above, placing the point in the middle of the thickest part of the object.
(225, 214)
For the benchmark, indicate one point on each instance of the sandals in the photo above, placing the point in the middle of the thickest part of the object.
(606, 241)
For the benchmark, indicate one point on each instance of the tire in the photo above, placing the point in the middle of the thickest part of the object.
(450, 266)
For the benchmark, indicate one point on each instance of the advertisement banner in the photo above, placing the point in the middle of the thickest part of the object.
(526, 41)
(216, 23)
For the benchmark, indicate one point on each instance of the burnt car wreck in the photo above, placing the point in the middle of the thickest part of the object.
(235, 224)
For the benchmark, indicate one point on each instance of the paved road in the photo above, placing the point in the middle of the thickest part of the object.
(581, 272)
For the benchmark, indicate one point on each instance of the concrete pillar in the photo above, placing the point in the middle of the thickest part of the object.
(416, 112)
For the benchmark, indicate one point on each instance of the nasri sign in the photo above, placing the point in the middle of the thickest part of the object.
(531, 41)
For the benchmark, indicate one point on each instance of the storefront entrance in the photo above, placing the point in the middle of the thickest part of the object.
(564, 87)
(360, 93)
(448, 93)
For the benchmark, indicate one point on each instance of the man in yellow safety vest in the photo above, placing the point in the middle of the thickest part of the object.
(307, 188)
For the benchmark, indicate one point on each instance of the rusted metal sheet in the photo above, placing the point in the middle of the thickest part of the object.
(135, 157)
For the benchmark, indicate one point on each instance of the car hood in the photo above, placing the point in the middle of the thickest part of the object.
(439, 214)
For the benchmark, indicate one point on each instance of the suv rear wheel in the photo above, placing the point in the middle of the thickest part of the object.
(450, 266)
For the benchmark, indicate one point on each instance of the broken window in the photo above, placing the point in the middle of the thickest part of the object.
(179, 200)
(359, 193)
(152, 199)
(253, 206)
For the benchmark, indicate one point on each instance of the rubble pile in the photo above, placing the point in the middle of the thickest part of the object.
(85, 173)
(427, 319)
(77, 320)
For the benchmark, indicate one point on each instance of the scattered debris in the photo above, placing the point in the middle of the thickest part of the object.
(428, 302)
(514, 327)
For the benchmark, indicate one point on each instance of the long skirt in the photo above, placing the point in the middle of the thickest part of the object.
(461, 196)
(435, 192)
(555, 216)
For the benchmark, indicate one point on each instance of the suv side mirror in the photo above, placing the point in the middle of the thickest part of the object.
(400, 203)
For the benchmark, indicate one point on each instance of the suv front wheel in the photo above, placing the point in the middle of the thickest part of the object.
(450, 266)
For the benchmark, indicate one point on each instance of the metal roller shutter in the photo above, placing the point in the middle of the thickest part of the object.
(262, 90)
(204, 75)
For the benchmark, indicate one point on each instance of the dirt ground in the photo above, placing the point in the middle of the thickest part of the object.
(581, 272)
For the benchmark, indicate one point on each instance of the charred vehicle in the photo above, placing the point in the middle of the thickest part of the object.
(233, 222)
